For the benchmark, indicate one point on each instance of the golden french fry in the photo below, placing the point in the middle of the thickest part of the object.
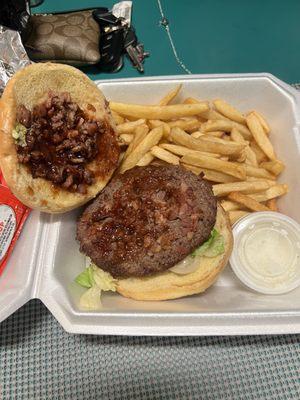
(195, 170)
(271, 193)
(241, 158)
(247, 201)
(260, 155)
(235, 215)
(140, 133)
(275, 166)
(224, 158)
(146, 159)
(209, 174)
(164, 155)
(229, 168)
(182, 151)
(228, 111)
(263, 122)
(170, 96)
(197, 134)
(247, 187)
(271, 182)
(178, 136)
(250, 157)
(272, 205)
(126, 138)
(191, 100)
(258, 172)
(188, 125)
(226, 126)
(154, 123)
(213, 115)
(236, 136)
(229, 205)
(158, 112)
(243, 129)
(218, 134)
(117, 118)
(217, 125)
(129, 127)
(260, 136)
(152, 138)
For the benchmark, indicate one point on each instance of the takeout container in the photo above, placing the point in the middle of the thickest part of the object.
(47, 259)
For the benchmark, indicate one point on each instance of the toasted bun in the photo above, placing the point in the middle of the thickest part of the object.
(168, 285)
(30, 86)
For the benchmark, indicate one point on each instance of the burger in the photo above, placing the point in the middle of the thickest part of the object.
(153, 233)
(58, 146)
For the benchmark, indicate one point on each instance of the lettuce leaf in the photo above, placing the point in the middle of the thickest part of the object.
(91, 299)
(213, 246)
(95, 280)
(19, 134)
(85, 278)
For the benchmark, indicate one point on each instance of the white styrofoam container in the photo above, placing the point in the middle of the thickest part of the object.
(47, 259)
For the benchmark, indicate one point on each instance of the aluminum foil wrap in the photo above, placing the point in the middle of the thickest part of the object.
(12, 55)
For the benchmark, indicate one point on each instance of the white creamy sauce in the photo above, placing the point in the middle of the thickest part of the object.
(269, 254)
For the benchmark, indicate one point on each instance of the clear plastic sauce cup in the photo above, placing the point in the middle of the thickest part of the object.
(266, 252)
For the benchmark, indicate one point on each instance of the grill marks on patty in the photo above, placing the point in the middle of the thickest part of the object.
(60, 140)
(147, 220)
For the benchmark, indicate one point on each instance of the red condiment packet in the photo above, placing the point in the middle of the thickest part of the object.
(13, 214)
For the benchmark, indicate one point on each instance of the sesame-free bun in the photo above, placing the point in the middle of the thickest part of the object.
(30, 86)
(169, 285)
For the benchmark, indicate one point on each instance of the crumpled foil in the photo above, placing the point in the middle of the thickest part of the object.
(123, 10)
(12, 55)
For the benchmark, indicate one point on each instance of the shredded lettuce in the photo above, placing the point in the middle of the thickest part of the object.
(213, 246)
(91, 299)
(85, 279)
(95, 280)
(19, 134)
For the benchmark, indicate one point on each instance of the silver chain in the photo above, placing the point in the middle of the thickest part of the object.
(165, 23)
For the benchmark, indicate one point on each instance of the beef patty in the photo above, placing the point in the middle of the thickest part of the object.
(147, 220)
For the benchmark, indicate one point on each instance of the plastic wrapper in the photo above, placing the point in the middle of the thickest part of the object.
(13, 215)
(13, 55)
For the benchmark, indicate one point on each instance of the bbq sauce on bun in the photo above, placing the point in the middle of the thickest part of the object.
(58, 146)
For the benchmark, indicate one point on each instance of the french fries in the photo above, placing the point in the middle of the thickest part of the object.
(272, 204)
(158, 112)
(126, 138)
(140, 133)
(188, 125)
(260, 136)
(257, 172)
(223, 189)
(275, 166)
(263, 122)
(247, 201)
(260, 155)
(128, 127)
(271, 193)
(230, 148)
(165, 155)
(117, 118)
(228, 111)
(170, 96)
(146, 159)
(215, 164)
(229, 205)
(182, 151)
(234, 216)
(142, 148)
(178, 136)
